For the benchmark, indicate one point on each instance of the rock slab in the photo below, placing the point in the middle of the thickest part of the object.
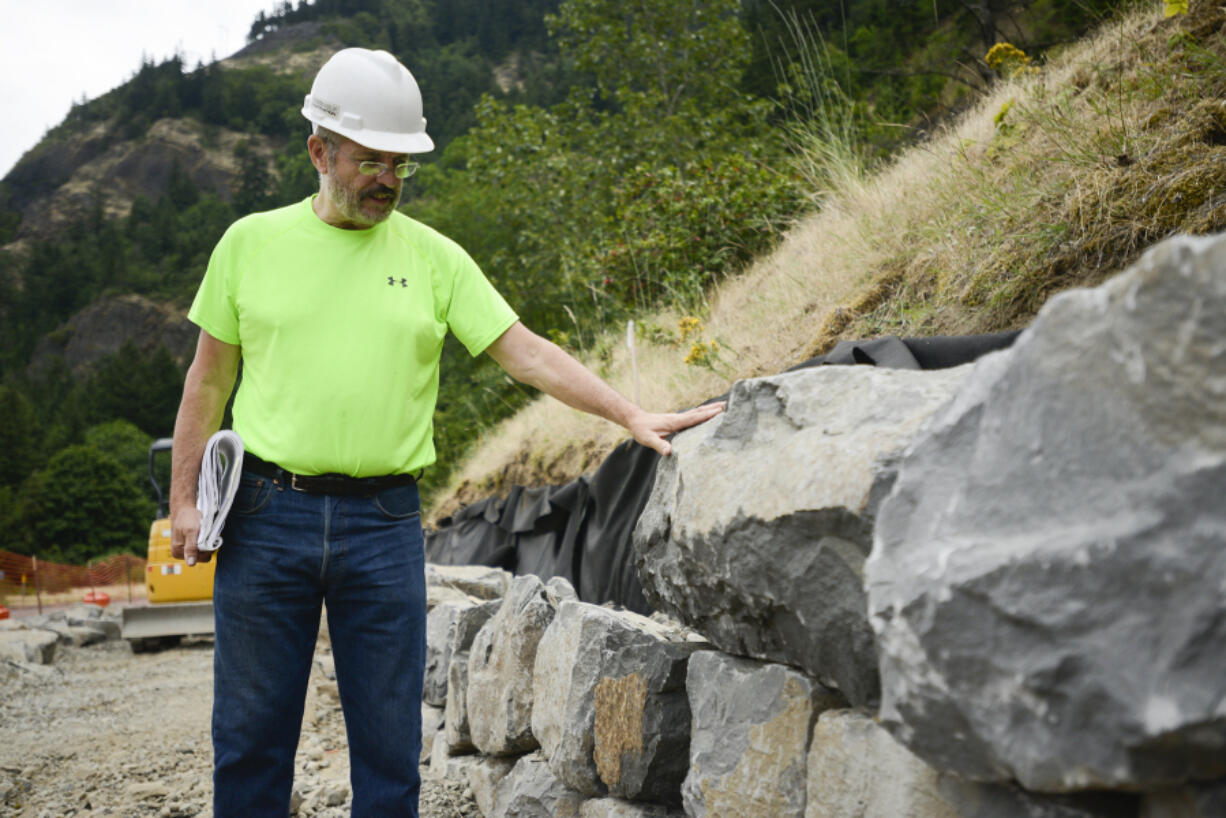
(500, 666)
(479, 581)
(431, 725)
(451, 627)
(35, 647)
(1047, 576)
(611, 710)
(857, 768)
(531, 790)
(751, 729)
(455, 724)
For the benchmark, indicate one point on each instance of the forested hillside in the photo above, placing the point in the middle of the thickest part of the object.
(598, 160)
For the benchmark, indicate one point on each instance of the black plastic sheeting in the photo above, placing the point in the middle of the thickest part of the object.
(582, 530)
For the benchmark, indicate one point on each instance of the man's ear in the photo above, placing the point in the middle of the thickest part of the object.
(318, 151)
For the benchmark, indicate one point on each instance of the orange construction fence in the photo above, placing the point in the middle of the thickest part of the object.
(28, 581)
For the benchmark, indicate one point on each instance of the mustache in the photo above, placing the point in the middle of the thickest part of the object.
(377, 190)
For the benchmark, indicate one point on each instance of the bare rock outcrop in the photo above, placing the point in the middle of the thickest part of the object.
(104, 327)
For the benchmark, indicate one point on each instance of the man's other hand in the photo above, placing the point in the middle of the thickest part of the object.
(649, 428)
(184, 533)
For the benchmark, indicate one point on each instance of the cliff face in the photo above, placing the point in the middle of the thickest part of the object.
(63, 176)
(98, 166)
(102, 329)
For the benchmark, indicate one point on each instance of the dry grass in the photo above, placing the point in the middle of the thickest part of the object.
(1056, 179)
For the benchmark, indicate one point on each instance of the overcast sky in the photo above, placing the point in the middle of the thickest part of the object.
(54, 51)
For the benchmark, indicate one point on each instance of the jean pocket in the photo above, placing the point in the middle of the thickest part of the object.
(252, 496)
(398, 502)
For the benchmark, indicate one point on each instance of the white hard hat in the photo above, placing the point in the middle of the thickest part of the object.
(371, 98)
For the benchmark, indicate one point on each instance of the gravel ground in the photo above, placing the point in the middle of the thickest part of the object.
(105, 732)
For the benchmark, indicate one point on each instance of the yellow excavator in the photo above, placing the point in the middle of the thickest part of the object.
(180, 596)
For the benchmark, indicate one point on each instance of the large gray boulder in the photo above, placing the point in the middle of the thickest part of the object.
(28, 646)
(456, 732)
(531, 790)
(443, 765)
(857, 769)
(1047, 576)
(483, 778)
(610, 711)
(500, 666)
(451, 627)
(75, 635)
(750, 731)
(106, 620)
(758, 525)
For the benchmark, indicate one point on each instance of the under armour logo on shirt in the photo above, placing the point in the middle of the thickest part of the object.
(391, 281)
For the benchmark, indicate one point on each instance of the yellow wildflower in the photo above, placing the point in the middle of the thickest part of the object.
(701, 354)
(689, 326)
(1008, 60)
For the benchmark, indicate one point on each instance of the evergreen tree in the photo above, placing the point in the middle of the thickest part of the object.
(143, 389)
(128, 445)
(252, 185)
(19, 437)
(181, 191)
(81, 506)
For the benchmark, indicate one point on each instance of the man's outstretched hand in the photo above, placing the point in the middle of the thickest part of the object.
(649, 428)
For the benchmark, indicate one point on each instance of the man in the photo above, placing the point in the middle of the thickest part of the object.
(337, 307)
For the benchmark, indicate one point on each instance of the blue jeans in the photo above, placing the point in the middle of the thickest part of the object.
(283, 554)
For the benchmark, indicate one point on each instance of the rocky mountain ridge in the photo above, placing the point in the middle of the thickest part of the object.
(99, 171)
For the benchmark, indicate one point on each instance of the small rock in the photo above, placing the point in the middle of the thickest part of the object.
(336, 795)
(148, 790)
(616, 808)
(478, 581)
(326, 665)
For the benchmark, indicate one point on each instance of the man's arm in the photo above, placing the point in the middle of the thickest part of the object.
(205, 392)
(531, 359)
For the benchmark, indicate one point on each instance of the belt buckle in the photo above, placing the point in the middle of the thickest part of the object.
(293, 483)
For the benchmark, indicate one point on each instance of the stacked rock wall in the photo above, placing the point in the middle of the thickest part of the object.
(985, 592)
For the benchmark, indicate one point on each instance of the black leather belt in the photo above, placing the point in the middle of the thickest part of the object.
(326, 483)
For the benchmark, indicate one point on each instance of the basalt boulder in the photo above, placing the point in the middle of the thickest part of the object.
(759, 522)
(1047, 577)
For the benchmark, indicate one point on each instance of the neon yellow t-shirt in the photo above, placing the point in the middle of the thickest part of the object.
(341, 333)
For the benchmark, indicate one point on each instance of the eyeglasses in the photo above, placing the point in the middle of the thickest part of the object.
(402, 170)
